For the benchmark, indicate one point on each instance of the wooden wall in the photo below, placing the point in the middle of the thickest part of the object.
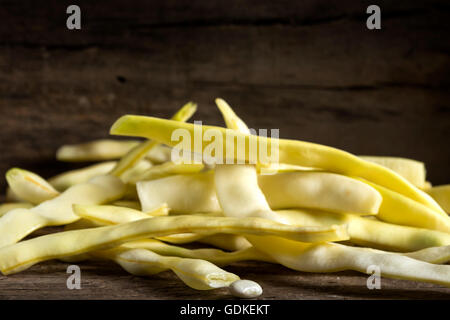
(310, 68)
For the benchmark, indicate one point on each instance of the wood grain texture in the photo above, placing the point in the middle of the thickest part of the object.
(109, 281)
(309, 68)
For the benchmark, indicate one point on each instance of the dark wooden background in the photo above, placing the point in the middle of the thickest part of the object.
(310, 68)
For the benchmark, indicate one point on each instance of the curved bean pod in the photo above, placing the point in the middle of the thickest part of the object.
(290, 152)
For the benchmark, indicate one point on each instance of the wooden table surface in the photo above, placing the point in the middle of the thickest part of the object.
(310, 68)
(109, 281)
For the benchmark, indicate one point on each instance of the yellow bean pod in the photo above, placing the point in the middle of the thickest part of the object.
(434, 255)
(230, 242)
(30, 187)
(108, 215)
(140, 151)
(107, 150)
(196, 273)
(333, 257)
(111, 215)
(427, 185)
(437, 255)
(371, 232)
(6, 207)
(127, 204)
(238, 252)
(106, 219)
(82, 224)
(97, 150)
(216, 256)
(290, 152)
(182, 238)
(442, 195)
(368, 231)
(159, 154)
(412, 170)
(399, 209)
(134, 172)
(231, 119)
(168, 169)
(20, 256)
(247, 201)
(273, 168)
(18, 223)
(320, 190)
(70, 178)
(182, 193)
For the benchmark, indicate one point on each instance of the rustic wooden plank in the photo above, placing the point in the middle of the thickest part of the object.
(102, 280)
(386, 121)
(26, 17)
(274, 55)
(394, 82)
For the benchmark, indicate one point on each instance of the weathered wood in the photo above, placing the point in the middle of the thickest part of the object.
(108, 281)
(336, 53)
(409, 122)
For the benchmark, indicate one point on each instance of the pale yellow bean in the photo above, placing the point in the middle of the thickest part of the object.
(18, 223)
(442, 195)
(412, 170)
(70, 178)
(22, 255)
(30, 187)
